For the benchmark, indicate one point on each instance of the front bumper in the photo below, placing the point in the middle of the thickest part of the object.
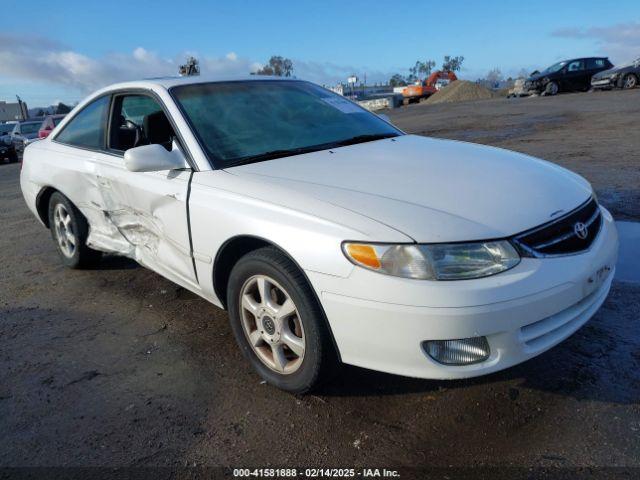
(380, 322)
(605, 83)
(533, 87)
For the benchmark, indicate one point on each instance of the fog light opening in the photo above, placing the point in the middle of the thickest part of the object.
(465, 351)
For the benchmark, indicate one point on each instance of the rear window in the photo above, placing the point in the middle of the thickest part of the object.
(596, 63)
(28, 128)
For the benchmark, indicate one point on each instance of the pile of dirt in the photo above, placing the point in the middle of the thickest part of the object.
(461, 91)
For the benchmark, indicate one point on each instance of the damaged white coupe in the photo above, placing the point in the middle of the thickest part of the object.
(328, 234)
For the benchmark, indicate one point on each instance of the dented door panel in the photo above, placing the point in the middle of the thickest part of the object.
(146, 213)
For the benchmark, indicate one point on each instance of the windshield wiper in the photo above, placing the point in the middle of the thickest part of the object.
(363, 139)
(273, 154)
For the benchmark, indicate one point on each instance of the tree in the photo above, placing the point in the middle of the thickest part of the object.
(190, 68)
(452, 64)
(397, 81)
(62, 108)
(277, 66)
(427, 67)
(421, 69)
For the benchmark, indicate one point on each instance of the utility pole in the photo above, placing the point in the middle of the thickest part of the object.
(24, 113)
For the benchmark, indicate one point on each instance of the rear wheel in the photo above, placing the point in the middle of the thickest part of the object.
(69, 230)
(629, 81)
(278, 322)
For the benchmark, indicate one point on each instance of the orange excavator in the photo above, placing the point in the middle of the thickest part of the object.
(426, 88)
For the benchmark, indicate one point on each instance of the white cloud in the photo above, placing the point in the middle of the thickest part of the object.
(54, 66)
(621, 42)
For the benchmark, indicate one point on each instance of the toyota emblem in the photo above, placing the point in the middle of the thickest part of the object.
(581, 231)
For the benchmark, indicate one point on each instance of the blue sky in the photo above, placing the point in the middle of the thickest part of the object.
(62, 50)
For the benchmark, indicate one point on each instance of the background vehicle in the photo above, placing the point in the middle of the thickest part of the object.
(429, 86)
(625, 76)
(567, 76)
(6, 147)
(48, 124)
(22, 133)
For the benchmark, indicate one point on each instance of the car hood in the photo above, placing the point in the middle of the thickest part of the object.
(619, 69)
(431, 190)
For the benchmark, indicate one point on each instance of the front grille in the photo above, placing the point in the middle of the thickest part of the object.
(562, 236)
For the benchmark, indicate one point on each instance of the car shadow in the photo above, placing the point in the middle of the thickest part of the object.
(115, 262)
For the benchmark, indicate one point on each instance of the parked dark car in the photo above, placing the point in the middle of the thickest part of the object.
(48, 124)
(567, 76)
(6, 147)
(624, 76)
(21, 134)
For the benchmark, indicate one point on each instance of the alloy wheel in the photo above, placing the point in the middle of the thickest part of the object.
(630, 81)
(65, 235)
(271, 324)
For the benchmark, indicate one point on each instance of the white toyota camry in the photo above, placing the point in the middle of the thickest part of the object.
(328, 234)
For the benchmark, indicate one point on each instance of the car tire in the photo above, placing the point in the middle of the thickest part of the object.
(630, 81)
(264, 336)
(551, 88)
(69, 230)
(13, 157)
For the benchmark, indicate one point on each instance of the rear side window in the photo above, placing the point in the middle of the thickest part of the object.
(596, 63)
(87, 128)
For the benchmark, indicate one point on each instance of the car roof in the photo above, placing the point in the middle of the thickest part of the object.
(172, 81)
(584, 58)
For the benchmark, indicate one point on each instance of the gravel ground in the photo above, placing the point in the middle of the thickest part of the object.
(119, 367)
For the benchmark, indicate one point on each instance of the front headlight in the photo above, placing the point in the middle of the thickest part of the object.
(441, 261)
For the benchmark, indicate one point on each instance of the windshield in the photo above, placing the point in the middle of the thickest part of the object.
(6, 128)
(57, 120)
(28, 128)
(555, 67)
(241, 122)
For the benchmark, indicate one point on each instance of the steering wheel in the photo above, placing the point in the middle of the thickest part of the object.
(128, 124)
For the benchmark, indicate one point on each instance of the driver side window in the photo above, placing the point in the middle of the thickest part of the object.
(576, 66)
(139, 120)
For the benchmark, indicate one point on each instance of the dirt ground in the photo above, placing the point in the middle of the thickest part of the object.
(118, 367)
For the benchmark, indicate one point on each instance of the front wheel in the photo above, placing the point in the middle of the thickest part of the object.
(278, 322)
(630, 81)
(552, 88)
(69, 230)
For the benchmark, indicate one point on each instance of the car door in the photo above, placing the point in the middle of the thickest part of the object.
(575, 76)
(148, 209)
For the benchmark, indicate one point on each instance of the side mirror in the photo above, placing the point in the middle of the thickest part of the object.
(384, 117)
(154, 158)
